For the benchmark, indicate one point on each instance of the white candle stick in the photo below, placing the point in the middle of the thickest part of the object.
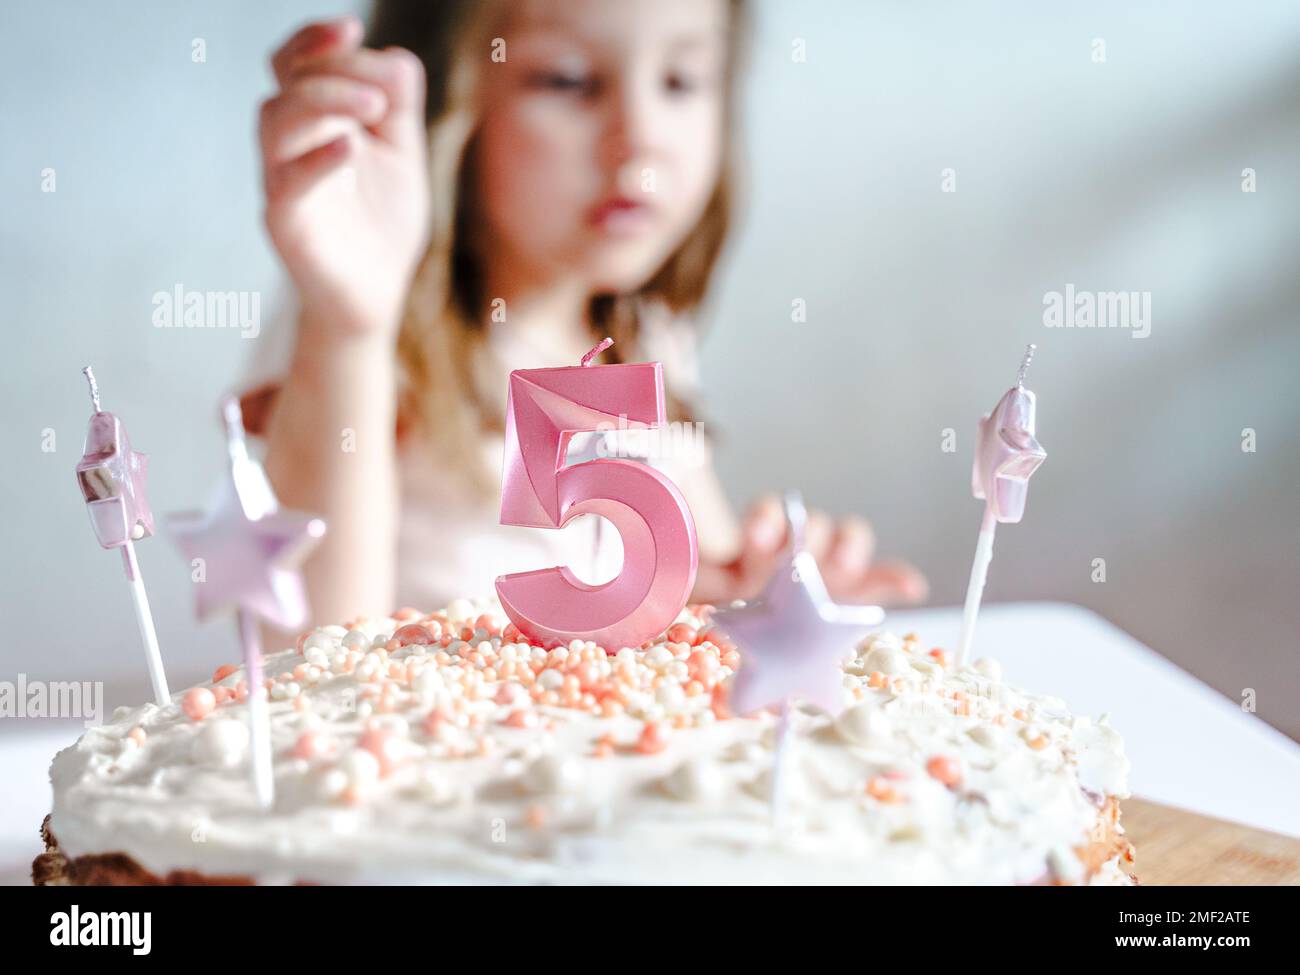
(783, 746)
(258, 720)
(144, 620)
(979, 572)
(1006, 454)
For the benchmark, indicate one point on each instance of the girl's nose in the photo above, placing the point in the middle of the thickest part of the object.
(632, 126)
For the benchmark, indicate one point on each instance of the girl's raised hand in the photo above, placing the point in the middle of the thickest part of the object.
(344, 151)
(843, 550)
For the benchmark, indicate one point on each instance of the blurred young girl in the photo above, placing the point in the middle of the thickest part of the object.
(488, 186)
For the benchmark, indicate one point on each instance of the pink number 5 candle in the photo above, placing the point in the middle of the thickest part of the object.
(545, 408)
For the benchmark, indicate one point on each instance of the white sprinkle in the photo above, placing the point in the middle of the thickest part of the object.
(222, 742)
(550, 680)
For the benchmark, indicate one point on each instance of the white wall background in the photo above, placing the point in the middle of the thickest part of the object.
(1122, 175)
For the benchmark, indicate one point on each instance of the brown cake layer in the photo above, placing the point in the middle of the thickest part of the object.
(53, 868)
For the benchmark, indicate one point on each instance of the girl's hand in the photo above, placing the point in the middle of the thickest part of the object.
(350, 240)
(843, 551)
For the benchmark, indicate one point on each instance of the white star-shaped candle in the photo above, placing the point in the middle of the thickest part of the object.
(792, 638)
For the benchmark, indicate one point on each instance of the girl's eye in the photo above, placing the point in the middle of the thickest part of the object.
(565, 82)
(684, 82)
(689, 81)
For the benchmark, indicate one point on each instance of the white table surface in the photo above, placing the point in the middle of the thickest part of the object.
(1189, 745)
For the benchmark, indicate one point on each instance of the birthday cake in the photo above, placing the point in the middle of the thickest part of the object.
(445, 748)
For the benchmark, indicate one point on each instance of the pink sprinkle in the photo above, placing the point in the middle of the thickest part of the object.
(381, 744)
(717, 638)
(588, 675)
(680, 633)
(310, 744)
(945, 769)
(434, 722)
(720, 702)
(522, 719)
(653, 739)
(198, 703)
(510, 694)
(412, 634)
(702, 665)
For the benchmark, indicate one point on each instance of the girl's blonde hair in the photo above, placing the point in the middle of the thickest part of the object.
(444, 323)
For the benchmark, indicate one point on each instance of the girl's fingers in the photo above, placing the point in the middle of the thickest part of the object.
(852, 546)
(751, 572)
(292, 123)
(404, 123)
(292, 180)
(314, 41)
(886, 584)
(762, 540)
(843, 552)
(715, 583)
(817, 535)
(764, 525)
(396, 71)
(890, 583)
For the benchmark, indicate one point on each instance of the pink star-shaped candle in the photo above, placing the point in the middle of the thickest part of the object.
(1006, 454)
(112, 479)
(792, 638)
(111, 475)
(249, 550)
(247, 547)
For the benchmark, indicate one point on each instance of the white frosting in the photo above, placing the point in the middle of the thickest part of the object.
(509, 788)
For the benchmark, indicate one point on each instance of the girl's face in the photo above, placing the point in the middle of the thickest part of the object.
(601, 135)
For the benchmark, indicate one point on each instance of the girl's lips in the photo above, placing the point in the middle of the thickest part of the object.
(620, 216)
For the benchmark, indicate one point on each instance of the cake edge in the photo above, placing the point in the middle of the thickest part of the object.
(54, 868)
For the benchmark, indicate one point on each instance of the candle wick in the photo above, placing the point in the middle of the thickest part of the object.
(94, 387)
(600, 347)
(1030, 349)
